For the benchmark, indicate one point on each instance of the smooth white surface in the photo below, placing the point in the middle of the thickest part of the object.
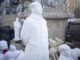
(0, 47)
(34, 35)
(1, 56)
(66, 53)
(3, 45)
(17, 28)
(75, 53)
(12, 48)
(13, 53)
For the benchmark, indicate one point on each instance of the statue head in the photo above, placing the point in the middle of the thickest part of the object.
(64, 49)
(17, 19)
(12, 48)
(3, 44)
(36, 7)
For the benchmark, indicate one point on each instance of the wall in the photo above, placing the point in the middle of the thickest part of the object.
(8, 20)
(56, 27)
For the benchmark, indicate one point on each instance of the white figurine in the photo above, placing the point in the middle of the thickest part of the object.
(17, 28)
(34, 35)
(13, 53)
(65, 52)
(3, 46)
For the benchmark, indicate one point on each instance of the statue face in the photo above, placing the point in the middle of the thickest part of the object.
(17, 19)
(36, 7)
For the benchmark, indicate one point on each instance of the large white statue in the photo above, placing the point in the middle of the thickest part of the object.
(34, 35)
(17, 28)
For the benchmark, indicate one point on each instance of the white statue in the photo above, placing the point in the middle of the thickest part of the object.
(3, 49)
(17, 28)
(2, 56)
(75, 53)
(66, 53)
(12, 53)
(3, 45)
(34, 35)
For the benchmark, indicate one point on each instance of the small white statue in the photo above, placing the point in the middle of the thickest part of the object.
(13, 53)
(17, 28)
(66, 53)
(3, 49)
(3, 45)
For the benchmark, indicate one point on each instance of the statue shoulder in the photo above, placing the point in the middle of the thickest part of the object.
(45, 20)
(27, 19)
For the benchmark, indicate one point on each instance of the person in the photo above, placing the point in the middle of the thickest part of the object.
(17, 28)
(34, 35)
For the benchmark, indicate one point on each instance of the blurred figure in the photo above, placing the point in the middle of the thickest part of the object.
(34, 35)
(65, 52)
(13, 53)
(3, 46)
(17, 28)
